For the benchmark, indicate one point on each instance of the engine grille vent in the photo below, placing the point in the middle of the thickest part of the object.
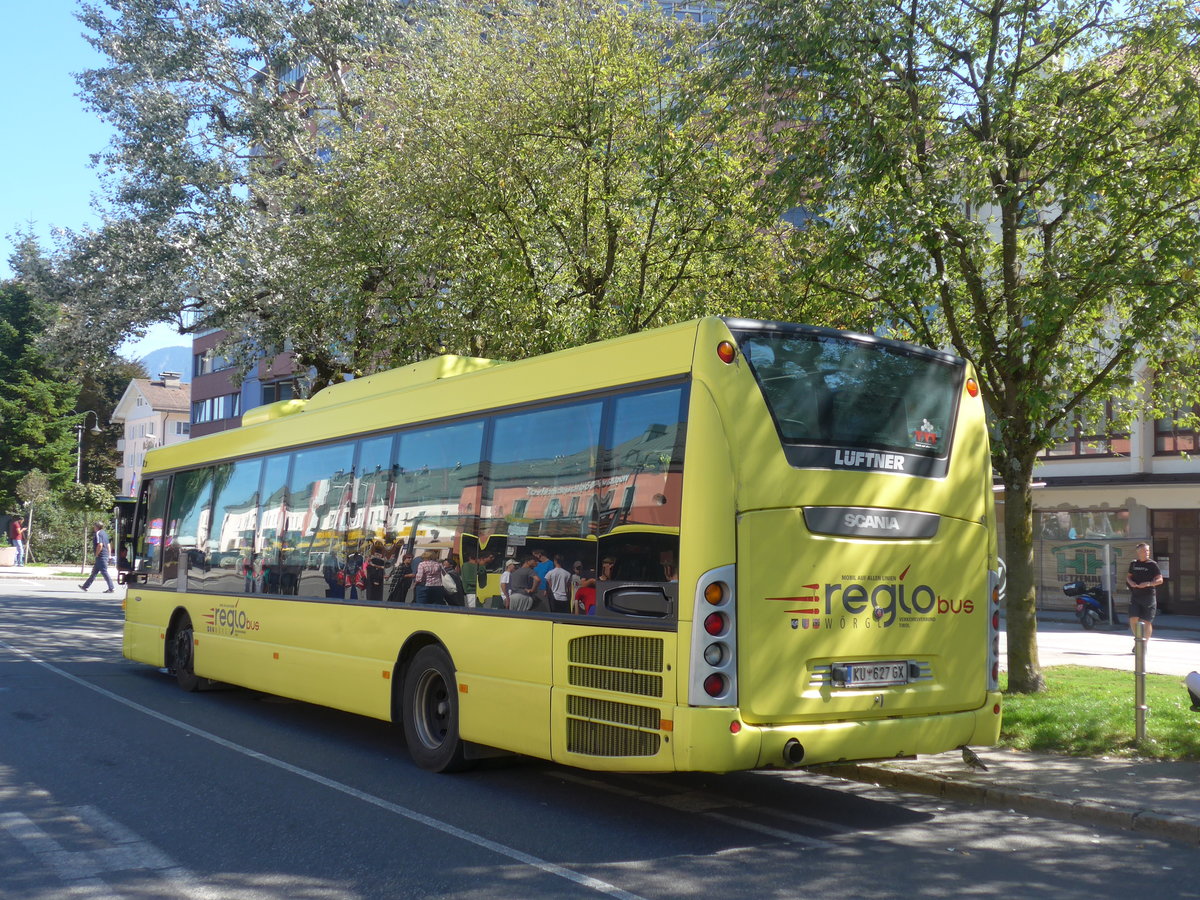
(617, 651)
(617, 682)
(599, 739)
(609, 711)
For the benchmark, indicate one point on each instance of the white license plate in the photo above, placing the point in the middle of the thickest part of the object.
(874, 674)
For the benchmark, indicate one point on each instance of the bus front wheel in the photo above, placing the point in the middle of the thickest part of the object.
(182, 650)
(431, 712)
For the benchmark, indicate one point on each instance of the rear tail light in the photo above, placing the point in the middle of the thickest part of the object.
(713, 660)
(714, 624)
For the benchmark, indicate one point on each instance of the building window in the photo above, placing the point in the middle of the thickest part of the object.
(208, 362)
(183, 427)
(1091, 438)
(1082, 524)
(275, 391)
(1172, 438)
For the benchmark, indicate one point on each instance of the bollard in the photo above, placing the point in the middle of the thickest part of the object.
(1139, 683)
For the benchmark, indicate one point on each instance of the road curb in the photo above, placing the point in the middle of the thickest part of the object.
(1144, 821)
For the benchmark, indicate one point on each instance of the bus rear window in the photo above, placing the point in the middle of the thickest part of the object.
(829, 390)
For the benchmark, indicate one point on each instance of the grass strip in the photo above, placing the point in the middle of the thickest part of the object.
(1090, 712)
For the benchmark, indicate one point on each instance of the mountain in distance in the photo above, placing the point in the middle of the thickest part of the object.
(169, 359)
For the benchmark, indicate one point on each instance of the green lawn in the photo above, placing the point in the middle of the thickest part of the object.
(1090, 712)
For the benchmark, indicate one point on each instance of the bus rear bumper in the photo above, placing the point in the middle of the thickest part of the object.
(716, 740)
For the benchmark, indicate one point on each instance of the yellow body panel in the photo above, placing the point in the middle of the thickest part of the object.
(846, 600)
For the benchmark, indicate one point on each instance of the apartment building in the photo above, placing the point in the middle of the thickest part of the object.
(217, 400)
(155, 413)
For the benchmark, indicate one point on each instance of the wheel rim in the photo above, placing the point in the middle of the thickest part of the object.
(183, 650)
(432, 721)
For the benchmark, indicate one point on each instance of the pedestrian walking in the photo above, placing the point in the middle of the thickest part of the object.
(1144, 576)
(103, 548)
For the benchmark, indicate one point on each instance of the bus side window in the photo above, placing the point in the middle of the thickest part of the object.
(187, 531)
(150, 532)
(272, 539)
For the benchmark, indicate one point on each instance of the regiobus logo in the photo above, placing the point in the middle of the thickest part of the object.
(871, 601)
(228, 619)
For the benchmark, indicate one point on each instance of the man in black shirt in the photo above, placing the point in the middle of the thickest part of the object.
(1144, 576)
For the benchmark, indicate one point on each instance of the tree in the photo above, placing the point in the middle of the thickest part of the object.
(36, 396)
(89, 501)
(527, 178)
(1017, 180)
(198, 94)
(32, 490)
(368, 183)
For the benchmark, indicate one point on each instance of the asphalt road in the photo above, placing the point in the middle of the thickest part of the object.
(115, 784)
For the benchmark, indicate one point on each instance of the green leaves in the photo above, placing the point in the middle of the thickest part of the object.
(369, 183)
(36, 396)
(1016, 181)
(86, 498)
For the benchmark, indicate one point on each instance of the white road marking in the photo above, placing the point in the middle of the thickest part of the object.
(578, 878)
(80, 870)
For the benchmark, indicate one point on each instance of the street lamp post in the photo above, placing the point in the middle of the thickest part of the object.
(79, 429)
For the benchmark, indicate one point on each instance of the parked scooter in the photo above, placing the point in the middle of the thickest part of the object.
(1091, 604)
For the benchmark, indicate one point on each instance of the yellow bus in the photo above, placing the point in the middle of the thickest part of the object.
(778, 543)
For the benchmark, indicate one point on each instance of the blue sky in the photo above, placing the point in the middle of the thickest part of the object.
(45, 159)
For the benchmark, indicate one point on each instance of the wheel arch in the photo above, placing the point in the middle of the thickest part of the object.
(415, 642)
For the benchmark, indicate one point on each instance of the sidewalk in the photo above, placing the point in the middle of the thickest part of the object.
(64, 573)
(1162, 622)
(1147, 796)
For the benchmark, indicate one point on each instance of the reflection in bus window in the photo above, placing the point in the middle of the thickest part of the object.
(187, 526)
(645, 464)
(842, 391)
(544, 461)
(272, 525)
(439, 485)
(150, 538)
(316, 486)
(234, 521)
(374, 491)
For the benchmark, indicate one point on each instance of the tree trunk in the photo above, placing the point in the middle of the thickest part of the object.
(1024, 670)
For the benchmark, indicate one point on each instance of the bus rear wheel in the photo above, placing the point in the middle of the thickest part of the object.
(181, 655)
(430, 711)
